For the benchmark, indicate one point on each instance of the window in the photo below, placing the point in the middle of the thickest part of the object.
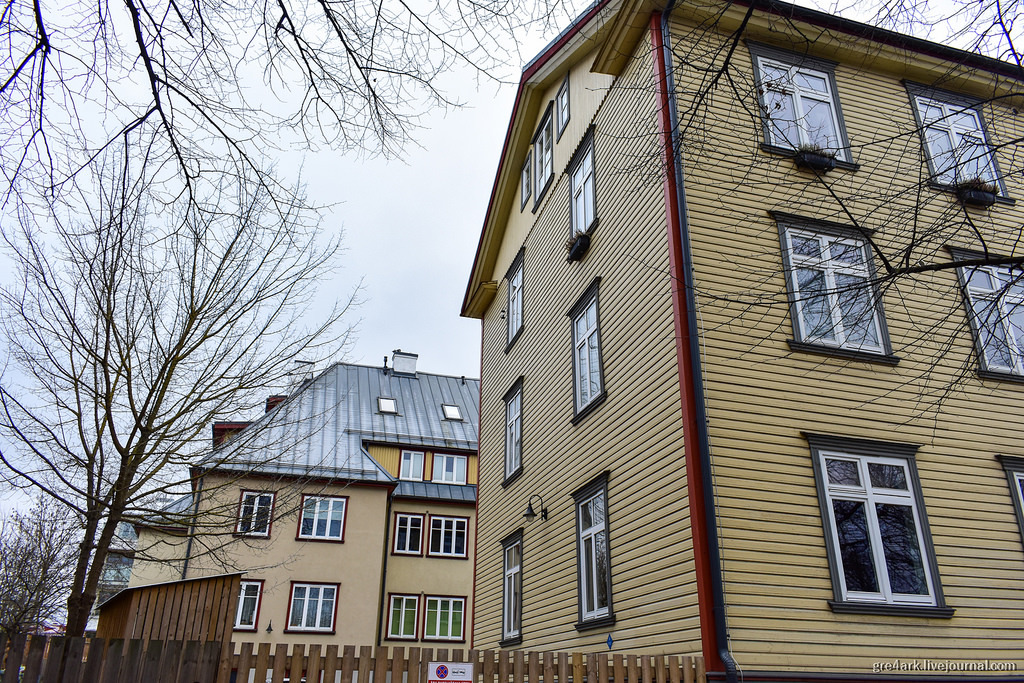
(514, 430)
(875, 527)
(408, 534)
(512, 600)
(254, 513)
(543, 159)
(448, 536)
(996, 300)
(586, 357)
(583, 210)
(312, 607)
(562, 106)
(403, 614)
(798, 101)
(323, 518)
(387, 405)
(444, 618)
(514, 307)
(449, 469)
(526, 181)
(412, 466)
(451, 412)
(594, 566)
(830, 282)
(954, 140)
(1014, 467)
(248, 610)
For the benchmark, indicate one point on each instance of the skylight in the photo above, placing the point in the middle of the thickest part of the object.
(451, 412)
(387, 405)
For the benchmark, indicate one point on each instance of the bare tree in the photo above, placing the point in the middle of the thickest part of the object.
(37, 562)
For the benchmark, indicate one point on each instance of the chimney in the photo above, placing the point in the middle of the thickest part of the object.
(403, 363)
(222, 431)
(274, 401)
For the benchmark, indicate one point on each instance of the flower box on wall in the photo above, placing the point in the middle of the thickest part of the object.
(816, 160)
(578, 246)
(977, 193)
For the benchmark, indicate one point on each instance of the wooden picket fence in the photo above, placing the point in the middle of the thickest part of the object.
(332, 664)
(39, 659)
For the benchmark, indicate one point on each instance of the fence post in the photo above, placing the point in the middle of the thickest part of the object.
(577, 667)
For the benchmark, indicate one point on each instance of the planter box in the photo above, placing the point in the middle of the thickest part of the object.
(814, 161)
(579, 247)
(975, 197)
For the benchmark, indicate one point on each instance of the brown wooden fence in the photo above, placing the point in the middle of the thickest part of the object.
(39, 660)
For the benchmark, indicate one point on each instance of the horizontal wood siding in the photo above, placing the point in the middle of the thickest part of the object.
(390, 458)
(761, 395)
(635, 435)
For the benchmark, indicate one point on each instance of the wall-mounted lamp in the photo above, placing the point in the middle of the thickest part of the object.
(270, 627)
(530, 513)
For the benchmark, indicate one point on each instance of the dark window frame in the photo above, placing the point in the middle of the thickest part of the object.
(591, 293)
(596, 486)
(515, 538)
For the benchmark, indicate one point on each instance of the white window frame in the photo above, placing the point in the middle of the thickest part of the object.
(252, 592)
(316, 612)
(398, 634)
(313, 508)
(441, 475)
(871, 496)
(995, 299)
(514, 315)
(583, 195)
(832, 269)
(543, 157)
(387, 405)
(453, 527)
(948, 125)
(255, 507)
(411, 467)
(526, 181)
(586, 350)
(438, 604)
(800, 94)
(451, 412)
(405, 520)
(592, 575)
(512, 591)
(514, 430)
(562, 106)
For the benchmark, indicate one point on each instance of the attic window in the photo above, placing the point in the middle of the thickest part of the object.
(387, 405)
(451, 412)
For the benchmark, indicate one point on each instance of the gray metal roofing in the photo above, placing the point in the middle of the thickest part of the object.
(426, 489)
(321, 429)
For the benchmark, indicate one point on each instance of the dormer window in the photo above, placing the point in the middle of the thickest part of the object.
(451, 412)
(387, 405)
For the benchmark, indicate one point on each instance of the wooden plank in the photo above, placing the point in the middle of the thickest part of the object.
(646, 671)
(673, 669)
(563, 667)
(262, 662)
(619, 667)
(244, 662)
(549, 667)
(170, 661)
(331, 664)
(533, 666)
(72, 660)
(518, 667)
(314, 665)
(112, 661)
(577, 667)
(348, 663)
(592, 668)
(131, 661)
(53, 663)
(210, 661)
(397, 664)
(699, 675)
(504, 666)
(296, 661)
(380, 665)
(474, 659)
(150, 669)
(93, 666)
(365, 664)
(426, 656)
(687, 669)
(190, 656)
(632, 674)
(602, 668)
(34, 658)
(280, 663)
(413, 666)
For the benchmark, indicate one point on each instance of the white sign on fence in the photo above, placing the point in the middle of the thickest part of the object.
(450, 672)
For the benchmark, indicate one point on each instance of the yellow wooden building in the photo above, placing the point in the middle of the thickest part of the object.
(753, 349)
(350, 506)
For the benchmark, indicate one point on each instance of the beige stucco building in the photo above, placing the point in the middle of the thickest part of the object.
(750, 290)
(350, 506)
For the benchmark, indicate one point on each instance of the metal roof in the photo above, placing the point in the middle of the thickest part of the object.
(320, 430)
(426, 489)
